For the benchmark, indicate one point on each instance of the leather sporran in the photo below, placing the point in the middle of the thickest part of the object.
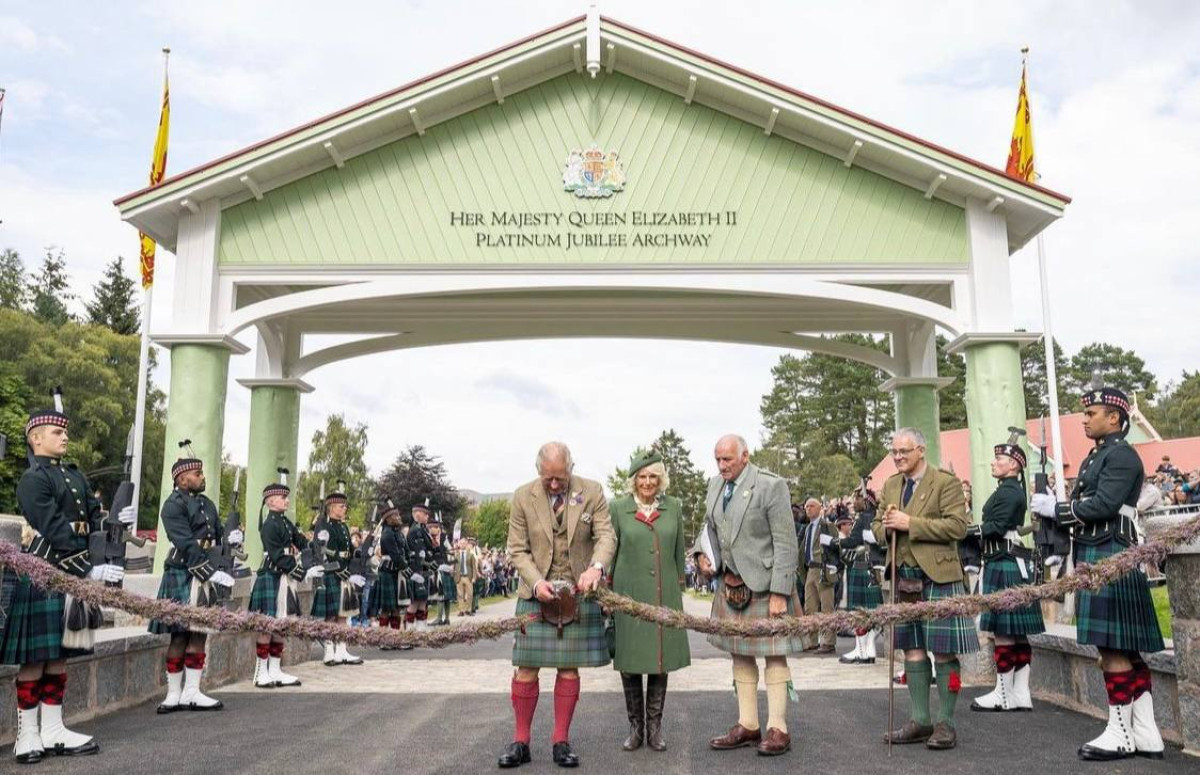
(737, 594)
(563, 609)
(908, 590)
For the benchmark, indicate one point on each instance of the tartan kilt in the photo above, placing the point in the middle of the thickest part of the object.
(758, 609)
(953, 635)
(327, 597)
(582, 644)
(264, 597)
(862, 593)
(1119, 616)
(176, 585)
(1003, 573)
(448, 587)
(383, 596)
(34, 629)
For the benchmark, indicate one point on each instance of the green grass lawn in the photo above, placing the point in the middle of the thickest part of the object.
(1162, 608)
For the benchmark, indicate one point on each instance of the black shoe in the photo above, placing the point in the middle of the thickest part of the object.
(33, 757)
(87, 749)
(564, 756)
(514, 755)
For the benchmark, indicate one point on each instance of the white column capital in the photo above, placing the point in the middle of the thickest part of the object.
(895, 383)
(964, 342)
(298, 385)
(209, 340)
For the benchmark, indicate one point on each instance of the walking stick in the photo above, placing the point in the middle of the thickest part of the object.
(892, 645)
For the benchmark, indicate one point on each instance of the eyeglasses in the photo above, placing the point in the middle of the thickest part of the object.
(901, 452)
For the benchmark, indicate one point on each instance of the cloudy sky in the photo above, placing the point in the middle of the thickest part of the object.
(1115, 88)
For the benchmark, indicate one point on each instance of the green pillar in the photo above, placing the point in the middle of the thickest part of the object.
(995, 399)
(274, 439)
(196, 411)
(917, 406)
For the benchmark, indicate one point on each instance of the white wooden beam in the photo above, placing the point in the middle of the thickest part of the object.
(496, 88)
(612, 58)
(416, 119)
(854, 149)
(249, 183)
(190, 206)
(334, 154)
(577, 55)
(592, 38)
(933, 186)
(995, 202)
(771, 119)
(691, 90)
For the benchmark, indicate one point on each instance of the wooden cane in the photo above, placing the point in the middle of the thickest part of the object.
(892, 645)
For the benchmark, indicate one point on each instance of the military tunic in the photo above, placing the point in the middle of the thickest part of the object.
(193, 527)
(389, 596)
(281, 541)
(1003, 513)
(327, 595)
(58, 504)
(420, 561)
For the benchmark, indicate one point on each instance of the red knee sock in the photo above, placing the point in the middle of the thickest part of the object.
(1005, 658)
(410, 616)
(422, 615)
(383, 621)
(52, 688)
(1120, 687)
(29, 694)
(860, 631)
(262, 650)
(1141, 677)
(524, 702)
(175, 664)
(566, 694)
(1023, 654)
(194, 661)
(395, 622)
(276, 649)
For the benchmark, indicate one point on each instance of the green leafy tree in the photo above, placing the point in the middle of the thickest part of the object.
(488, 523)
(686, 481)
(1176, 414)
(952, 405)
(14, 284)
(52, 289)
(1118, 367)
(113, 303)
(1033, 373)
(338, 452)
(14, 398)
(829, 476)
(416, 475)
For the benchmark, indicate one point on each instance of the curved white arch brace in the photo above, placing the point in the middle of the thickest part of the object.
(771, 285)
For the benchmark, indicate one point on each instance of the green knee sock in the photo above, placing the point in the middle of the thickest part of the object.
(918, 674)
(948, 685)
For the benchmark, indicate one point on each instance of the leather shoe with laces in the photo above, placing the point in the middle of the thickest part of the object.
(514, 755)
(775, 743)
(911, 732)
(943, 738)
(737, 737)
(564, 756)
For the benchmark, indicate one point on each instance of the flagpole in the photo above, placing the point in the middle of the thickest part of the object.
(139, 417)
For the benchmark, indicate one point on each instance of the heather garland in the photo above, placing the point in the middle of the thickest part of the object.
(1086, 576)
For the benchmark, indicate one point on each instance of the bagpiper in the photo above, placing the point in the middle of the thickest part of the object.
(1007, 563)
(190, 520)
(1117, 619)
(275, 588)
(60, 511)
(421, 571)
(333, 598)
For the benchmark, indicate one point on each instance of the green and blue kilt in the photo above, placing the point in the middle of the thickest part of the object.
(1004, 573)
(862, 593)
(449, 588)
(953, 635)
(327, 597)
(582, 643)
(1119, 616)
(383, 596)
(176, 585)
(758, 609)
(34, 629)
(264, 597)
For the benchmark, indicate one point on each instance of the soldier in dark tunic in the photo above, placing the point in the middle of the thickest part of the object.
(274, 592)
(59, 507)
(193, 527)
(390, 596)
(1117, 619)
(333, 599)
(861, 554)
(442, 591)
(422, 570)
(1006, 563)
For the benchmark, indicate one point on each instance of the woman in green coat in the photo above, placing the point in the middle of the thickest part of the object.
(649, 569)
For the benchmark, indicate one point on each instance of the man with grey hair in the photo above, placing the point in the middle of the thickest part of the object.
(924, 508)
(749, 544)
(819, 580)
(561, 542)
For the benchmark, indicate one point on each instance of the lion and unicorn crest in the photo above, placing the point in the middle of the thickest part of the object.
(592, 173)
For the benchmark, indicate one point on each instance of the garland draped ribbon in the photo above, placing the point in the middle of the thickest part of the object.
(1087, 577)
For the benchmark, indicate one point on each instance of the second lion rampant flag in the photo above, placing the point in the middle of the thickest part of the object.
(158, 168)
(1020, 150)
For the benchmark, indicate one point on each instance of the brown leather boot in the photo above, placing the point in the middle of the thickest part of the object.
(656, 698)
(636, 708)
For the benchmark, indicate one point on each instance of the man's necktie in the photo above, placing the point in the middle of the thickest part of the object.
(909, 485)
(809, 536)
(728, 496)
(556, 505)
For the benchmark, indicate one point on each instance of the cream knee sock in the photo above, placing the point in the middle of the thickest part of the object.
(777, 676)
(745, 681)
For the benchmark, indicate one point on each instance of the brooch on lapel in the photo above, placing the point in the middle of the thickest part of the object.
(586, 517)
(576, 498)
(745, 493)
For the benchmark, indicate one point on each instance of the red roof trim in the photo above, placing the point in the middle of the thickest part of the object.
(356, 106)
(767, 81)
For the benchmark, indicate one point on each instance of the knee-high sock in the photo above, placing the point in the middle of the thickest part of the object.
(949, 684)
(524, 702)
(566, 695)
(1141, 675)
(29, 694)
(745, 681)
(52, 688)
(919, 675)
(777, 676)
(194, 661)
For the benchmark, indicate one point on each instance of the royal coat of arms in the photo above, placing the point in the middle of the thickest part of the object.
(593, 173)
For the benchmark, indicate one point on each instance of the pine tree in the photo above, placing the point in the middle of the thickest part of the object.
(417, 475)
(14, 283)
(113, 303)
(51, 290)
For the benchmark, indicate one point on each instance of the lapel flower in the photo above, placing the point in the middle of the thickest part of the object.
(576, 498)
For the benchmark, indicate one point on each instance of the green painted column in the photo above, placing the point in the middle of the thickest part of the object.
(918, 406)
(196, 411)
(995, 399)
(274, 440)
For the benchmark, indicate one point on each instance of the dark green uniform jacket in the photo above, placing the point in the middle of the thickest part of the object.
(278, 535)
(58, 503)
(193, 527)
